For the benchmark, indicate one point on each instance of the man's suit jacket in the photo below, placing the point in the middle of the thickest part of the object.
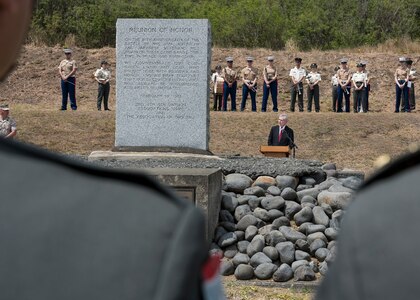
(273, 138)
(74, 231)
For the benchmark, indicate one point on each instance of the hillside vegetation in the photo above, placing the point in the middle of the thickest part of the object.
(274, 24)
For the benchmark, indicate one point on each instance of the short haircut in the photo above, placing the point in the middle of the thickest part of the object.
(283, 116)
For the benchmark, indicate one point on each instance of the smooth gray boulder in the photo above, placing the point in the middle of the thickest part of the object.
(237, 183)
(227, 268)
(285, 181)
(321, 254)
(320, 217)
(273, 190)
(273, 203)
(274, 214)
(271, 252)
(258, 259)
(291, 208)
(240, 258)
(227, 239)
(338, 188)
(304, 273)
(302, 245)
(336, 200)
(230, 251)
(336, 219)
(265, 230)
(254, 202)
(262, 214)
(251, 232)
(315, 245)
(302, 187)
(308, 199)
(257, 245)
(326, 184)
(329, 166)
(304, 215)
(283, 273)
(286, 252)
(255, 191)
(240, 235)
(226, 216)
(298, 263)
(274, 237)
(244, 199)
(323, 268)
(327, 209)
(353, 182)
(219, 232)
(282, 221)
(302, 255)
(228, 226)
(307, 180)
(311, 228)
(331, 234)
(265, 271)
(313, 192)
(229, 203)
(242, 246)
(317, 235)
(291, 235)
(289, 194)
(264, 182)
(244, 272)
(241, 211)
(246, 221)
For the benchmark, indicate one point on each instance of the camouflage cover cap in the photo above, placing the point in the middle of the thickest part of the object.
(67, 50)
(402, 59)
(344, 60)
(249, 58)
(229, 59)
(4, 106)
(270, 58)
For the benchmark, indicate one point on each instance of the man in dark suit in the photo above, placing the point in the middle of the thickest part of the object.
(75, 231)
(281, 135)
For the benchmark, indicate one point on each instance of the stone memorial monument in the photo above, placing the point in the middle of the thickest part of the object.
(162, 80)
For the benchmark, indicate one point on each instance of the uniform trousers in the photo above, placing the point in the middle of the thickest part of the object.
(359, 100)
(273, 89)
(253, 92)
(412, 96)
(217, 98)
(334, 98)
(367, 90)
(229, 91)
(404, 93)
(103, 93)
(296, 90)
(346, 92)
(68, 88)
(313, 93)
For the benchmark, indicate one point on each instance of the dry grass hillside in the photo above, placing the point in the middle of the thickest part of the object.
(351, 140)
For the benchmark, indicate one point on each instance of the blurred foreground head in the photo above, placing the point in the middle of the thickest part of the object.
(15, 16)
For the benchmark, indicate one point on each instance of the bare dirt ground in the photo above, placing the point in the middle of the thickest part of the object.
(351, 140)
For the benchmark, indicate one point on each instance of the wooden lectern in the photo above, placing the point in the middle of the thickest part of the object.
(275, 151)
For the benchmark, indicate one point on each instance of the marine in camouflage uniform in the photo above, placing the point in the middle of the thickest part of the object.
(7, 124)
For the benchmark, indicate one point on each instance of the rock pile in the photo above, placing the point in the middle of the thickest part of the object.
(281, 227)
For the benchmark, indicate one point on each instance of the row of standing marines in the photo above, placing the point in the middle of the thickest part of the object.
(225, 83)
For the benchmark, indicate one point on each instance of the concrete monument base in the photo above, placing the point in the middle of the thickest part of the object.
(112, 155)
